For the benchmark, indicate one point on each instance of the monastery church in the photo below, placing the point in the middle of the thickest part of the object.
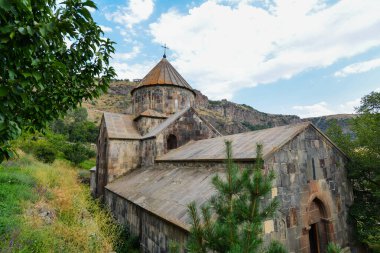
(153, 163)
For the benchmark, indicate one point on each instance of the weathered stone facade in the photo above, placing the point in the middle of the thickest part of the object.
(150, 165)
(145, 124)
(314, 200)
(167, 99)
(312, 186)
(154, 232)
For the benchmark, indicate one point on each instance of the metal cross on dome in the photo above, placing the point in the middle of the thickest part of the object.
(165, 47)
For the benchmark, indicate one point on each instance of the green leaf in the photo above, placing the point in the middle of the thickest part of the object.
(90, 4)
(22, 30)
(37, 76)
(29, 29)
(26, 74)
(5, 5)
(3, 91)
(12, 35)
(11, 74)
(42, 30)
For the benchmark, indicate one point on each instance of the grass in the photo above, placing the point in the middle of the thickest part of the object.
(43, 208)
(88, 164)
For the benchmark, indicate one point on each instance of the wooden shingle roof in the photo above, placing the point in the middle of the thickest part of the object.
(243, 145)
(167, 192)
(120, 126)
(163, 74)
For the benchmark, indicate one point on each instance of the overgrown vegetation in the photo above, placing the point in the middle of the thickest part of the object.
(333, 248)
(69, 138)
(45, 209)
(252, 127)
(43, 76)
(232, 221)
(364, 167)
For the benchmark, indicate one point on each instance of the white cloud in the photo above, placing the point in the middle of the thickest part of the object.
(127, 56)
(349, 106)
(222, 48)
(133, 13)
(105, 28)
(318, 109)
(323, 108)
(131, 71)
(358, 67)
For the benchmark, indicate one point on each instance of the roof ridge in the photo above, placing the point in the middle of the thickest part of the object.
(158, 129)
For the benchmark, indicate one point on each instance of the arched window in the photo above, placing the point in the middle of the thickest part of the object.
(171, 142)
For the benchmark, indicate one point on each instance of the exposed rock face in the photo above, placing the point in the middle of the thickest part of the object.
(227, 117)
(343, 121)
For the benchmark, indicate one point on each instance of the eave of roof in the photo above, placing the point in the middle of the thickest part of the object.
(151, 114)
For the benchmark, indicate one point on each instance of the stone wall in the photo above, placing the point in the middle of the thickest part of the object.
(146, 124)
(314, 193)
(123, 156)
(101, 160)
(155, 234)
(186, 128)
(189, 127)
(148, 152)
(166, 99)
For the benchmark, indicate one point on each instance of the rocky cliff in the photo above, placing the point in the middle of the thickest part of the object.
(227, 117)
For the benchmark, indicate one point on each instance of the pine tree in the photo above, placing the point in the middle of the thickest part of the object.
(232, 220)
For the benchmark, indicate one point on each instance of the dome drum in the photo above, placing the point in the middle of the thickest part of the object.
(167, 99)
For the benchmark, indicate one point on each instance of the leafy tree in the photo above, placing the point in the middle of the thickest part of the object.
(76, 127)
(237, 226)
(44, 151)
(52, 56)
(77, 153)
(364, 167)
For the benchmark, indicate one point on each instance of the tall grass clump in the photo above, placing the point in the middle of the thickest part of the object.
(45, 209)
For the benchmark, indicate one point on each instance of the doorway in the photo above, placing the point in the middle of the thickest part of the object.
(313, 238)
(317, 221)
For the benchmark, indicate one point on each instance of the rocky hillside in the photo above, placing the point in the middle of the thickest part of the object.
(342, 119)
(227, 117)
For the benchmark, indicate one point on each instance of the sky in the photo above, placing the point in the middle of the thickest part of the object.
(303, 57)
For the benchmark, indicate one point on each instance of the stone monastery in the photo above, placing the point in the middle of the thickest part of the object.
(151, 164)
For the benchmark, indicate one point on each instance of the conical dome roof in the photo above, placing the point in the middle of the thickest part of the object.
(164, 74)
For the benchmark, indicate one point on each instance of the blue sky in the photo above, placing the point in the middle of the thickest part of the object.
(303, 57)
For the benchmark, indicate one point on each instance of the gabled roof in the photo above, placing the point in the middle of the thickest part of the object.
(120, 126)
(167, 192)
(152, 114)
(164, 74)
(166, 123)
(158, 129)
(243, 145)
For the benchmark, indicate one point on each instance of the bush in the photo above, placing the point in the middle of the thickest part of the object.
(83, 132)
(276, 247)
(77, 153)
(333, 248)
(44, 152)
